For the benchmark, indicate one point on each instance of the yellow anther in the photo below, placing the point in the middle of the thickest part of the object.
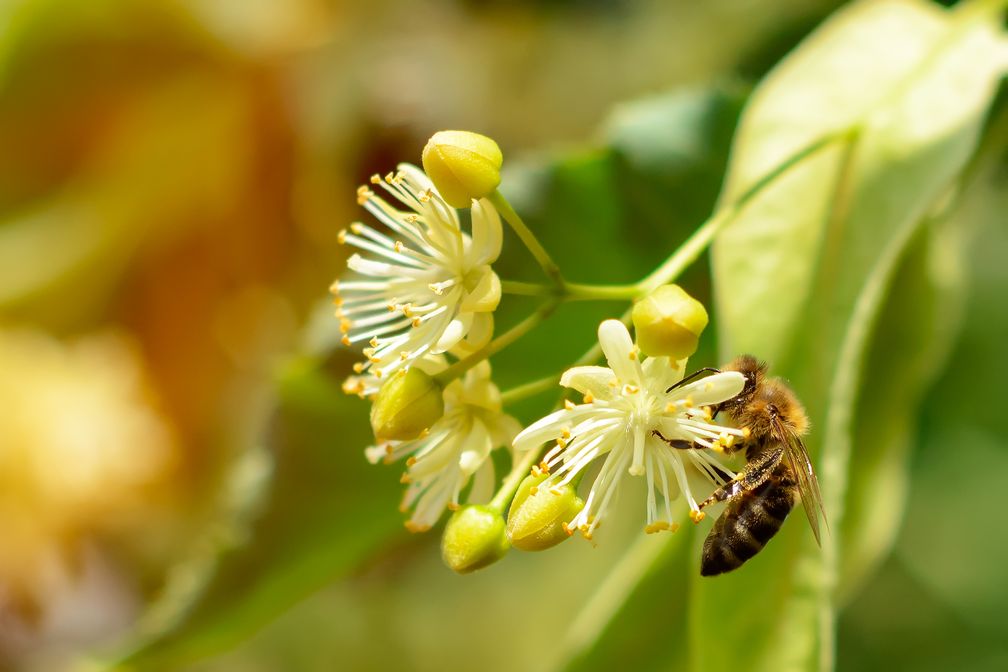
(416, 322)
(374, 341)
(569, 405)
(697, 516)
(588, 398)
(357, 227)
(345, 340)
(341, 237)
(746, 432)
(403, 356)
(633, 353)
(358, 367)
(565, 433)
(375, 179)
(405, 478)
(363, 195)
(453, 506)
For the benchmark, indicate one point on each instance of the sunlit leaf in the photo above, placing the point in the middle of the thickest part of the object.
(801, 276)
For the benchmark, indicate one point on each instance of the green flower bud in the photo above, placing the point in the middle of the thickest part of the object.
(462, 165)
(473, 538)
(669, 322)
(407, 404)
(537, 516)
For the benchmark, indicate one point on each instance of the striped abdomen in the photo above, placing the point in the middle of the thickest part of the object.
(748, 523)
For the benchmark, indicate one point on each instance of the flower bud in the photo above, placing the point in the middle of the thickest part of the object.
(462, 165)
(407, 404)
(537, 516)
(669, 322)
(473, 538)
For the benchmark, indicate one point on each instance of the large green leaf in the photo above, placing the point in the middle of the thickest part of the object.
(938, 601)
(801, 275)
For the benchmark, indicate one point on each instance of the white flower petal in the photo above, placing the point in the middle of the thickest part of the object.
(487, 234)
(712, 389)
(662, 373)
(453, 333)
(619, 352)
(484, 484)
(479, 334)
(475, 448)
(486, 292)
(598, 381)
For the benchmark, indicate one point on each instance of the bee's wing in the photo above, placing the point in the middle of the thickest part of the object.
(808, 485)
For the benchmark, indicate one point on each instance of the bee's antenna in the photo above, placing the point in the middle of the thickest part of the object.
(693, 376)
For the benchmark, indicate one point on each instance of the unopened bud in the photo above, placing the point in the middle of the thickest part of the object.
(537, 516)
(473, 538)
(462, 165)
(669, 322)
(406, 405)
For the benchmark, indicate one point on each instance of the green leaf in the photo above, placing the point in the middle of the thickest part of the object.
(801, 276)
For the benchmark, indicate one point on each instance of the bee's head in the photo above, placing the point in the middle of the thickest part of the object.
(754, 372)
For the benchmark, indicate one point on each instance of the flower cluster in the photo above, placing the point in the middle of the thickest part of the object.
(421, 299)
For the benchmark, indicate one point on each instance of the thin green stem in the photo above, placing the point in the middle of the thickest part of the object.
(511, 482)
(580, 292)
(520, 288)
(573, 291)
(498, 344)
(529, 389)
(528, 238)
(701, 238)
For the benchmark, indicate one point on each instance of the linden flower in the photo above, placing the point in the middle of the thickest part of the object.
(424, 289)
(442, 461)
(623, 405)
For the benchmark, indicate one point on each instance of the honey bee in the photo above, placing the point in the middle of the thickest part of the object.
(777, 470)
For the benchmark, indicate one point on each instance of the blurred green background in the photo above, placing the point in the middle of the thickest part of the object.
(182, 483)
